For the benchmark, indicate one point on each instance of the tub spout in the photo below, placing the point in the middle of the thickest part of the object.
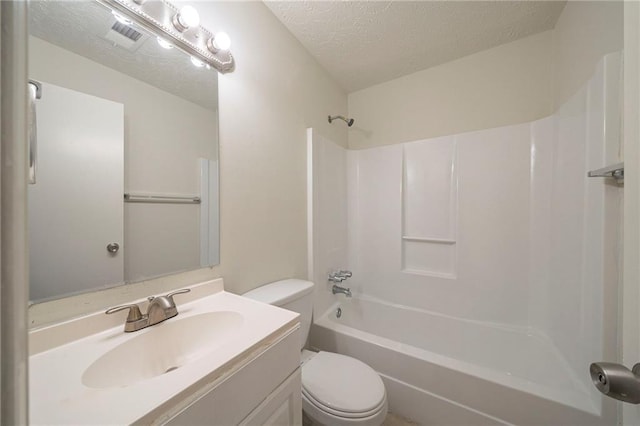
(337, 289)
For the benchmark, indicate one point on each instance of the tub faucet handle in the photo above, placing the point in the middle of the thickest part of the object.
(335, 277)
(339, 276)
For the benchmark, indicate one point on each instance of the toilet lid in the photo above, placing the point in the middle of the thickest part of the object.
(342, 383)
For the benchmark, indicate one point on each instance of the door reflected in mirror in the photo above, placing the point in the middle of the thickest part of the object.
(118, 113)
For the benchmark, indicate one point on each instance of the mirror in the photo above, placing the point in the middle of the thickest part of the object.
(118, 114)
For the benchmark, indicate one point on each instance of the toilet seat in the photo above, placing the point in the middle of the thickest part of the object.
(341, 386)
(347, 415)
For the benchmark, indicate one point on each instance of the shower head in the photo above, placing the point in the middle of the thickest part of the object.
(349, 121)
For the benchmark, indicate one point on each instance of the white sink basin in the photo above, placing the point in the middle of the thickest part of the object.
(161, 349)
(88, 371)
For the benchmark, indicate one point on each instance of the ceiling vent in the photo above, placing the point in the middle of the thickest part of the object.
(125, 36)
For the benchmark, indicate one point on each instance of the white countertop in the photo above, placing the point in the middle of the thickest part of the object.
(58, 396)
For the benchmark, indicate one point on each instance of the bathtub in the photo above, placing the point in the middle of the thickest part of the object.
(440, 370)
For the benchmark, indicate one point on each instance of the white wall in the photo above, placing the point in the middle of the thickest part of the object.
(276, 92)
(584, 33)
(514, 83)
(328, 234)
(630, 300)
(164, 137)
(508, 84)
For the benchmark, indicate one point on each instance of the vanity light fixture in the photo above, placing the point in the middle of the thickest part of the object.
(179, 28)
(164, 43)
(188, 17)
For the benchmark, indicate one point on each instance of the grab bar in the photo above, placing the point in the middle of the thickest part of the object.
(35, 92)
(168, 199)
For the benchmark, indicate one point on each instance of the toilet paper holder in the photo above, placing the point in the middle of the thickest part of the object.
(617, 381)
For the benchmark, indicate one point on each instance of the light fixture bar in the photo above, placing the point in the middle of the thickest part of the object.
(157, 17)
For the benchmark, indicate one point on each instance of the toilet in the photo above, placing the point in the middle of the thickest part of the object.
(337, 390)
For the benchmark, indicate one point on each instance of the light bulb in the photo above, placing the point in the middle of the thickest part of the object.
(122, 19)
(164, 43)
(221, 41)
(187, 18)
(197, 62)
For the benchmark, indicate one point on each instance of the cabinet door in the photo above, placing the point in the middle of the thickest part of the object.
(238, 395)
(283, 407)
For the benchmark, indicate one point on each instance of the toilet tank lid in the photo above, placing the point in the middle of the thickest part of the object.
(281, 292)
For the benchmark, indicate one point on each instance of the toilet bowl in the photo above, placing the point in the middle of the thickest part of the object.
(337, 390)
(340, 390)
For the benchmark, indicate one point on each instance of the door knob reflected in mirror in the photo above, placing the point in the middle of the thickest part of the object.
(113, 248)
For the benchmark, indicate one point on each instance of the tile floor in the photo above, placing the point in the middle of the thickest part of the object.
(390, 420)
(396, 420)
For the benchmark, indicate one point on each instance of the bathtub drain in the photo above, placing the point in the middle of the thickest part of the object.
(339, 313)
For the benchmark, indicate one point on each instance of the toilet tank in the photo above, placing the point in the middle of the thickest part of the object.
(292, 294)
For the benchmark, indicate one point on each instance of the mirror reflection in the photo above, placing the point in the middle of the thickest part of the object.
(119, 113)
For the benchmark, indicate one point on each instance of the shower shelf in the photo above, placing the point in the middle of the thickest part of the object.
(429, 240)
(615, 171)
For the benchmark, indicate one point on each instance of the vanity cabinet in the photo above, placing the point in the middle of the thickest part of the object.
(265, 390)
(224, 360)
(282, 407)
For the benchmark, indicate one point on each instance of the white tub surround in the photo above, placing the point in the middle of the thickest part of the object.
(496, 233)
(63, 392)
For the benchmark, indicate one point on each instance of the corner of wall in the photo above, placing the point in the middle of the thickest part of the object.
(584, 33)
(505, 85)
(277, 91)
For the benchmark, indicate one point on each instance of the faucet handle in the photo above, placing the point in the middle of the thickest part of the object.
(347, 274)
(335, 278)
(173, 293)
(134, 312)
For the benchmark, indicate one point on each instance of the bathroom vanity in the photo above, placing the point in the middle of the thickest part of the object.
(222, 360)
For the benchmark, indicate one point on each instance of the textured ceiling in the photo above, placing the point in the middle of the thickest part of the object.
(80, 27)
(363, 43)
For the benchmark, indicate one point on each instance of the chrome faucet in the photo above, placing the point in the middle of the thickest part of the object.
(334, 279)
(160, 308)
(339, 276)
(337, 289)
